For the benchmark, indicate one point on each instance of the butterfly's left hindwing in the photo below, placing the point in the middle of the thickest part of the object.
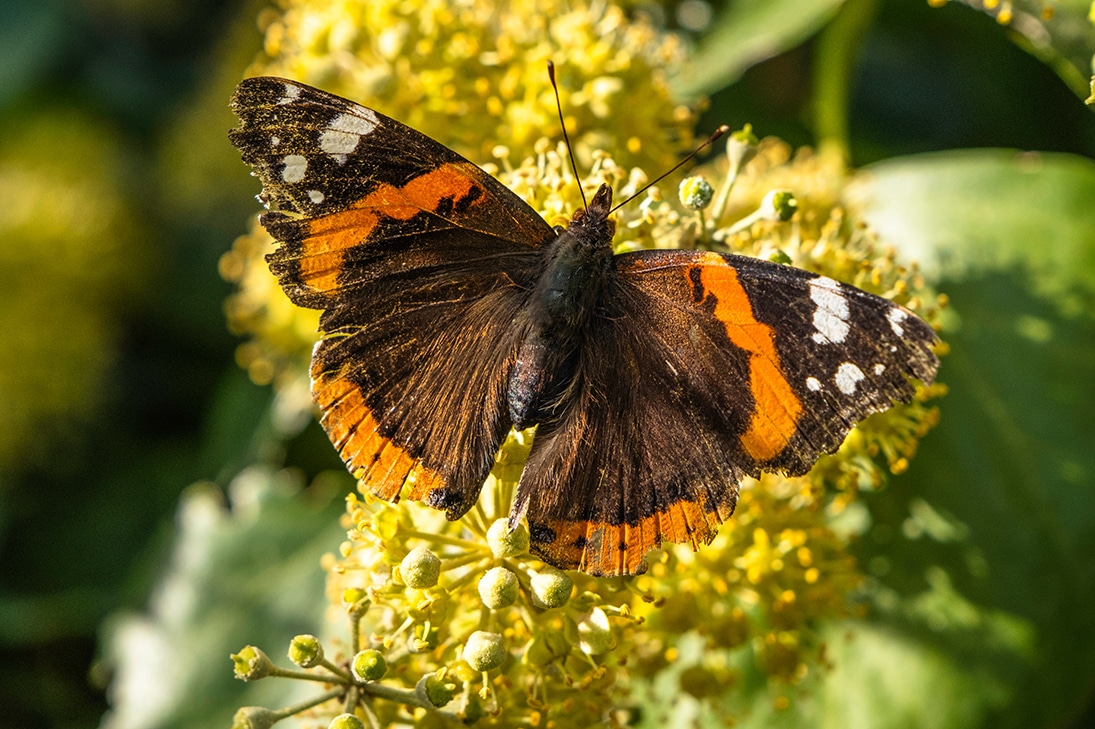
(418, 259)
(700, 369)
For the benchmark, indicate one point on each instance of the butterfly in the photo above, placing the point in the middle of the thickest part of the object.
(452, 313)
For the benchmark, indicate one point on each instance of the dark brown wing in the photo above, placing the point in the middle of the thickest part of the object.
(419, 260)
(701, 369)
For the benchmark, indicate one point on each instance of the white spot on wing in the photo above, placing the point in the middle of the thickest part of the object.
(847, 377)
(831, 315)
(879, 368)
(813, 384)
(275, 140)
(345, 131)
(292, 93)
(338, 144)
(316, 196)
(295, 168)
(896, 316)
(361, 123)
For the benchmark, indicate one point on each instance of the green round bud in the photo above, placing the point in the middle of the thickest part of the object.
(550, 588)
(306, 651)
(695, 193)
(484, 651)
(420, 568)
(779, 256)
(498, 588)
(369, 665)
(505, 543)
(254, 717)
(702, 683)
(778, 206)
(538, 653)
(251, 664)
(594, 633)
(346, 721)
(439, 691)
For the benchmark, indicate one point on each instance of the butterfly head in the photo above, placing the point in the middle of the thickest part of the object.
(593, 221)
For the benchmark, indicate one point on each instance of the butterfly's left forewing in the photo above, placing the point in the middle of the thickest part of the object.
(419, 261)
(743, 365)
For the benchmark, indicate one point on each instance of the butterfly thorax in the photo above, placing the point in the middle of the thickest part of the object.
(577, 265)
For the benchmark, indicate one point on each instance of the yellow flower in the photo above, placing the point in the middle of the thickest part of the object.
(472, 73)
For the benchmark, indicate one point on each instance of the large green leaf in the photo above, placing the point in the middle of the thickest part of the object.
(968, 212)
(1002, 587)
(246, 575)
(747, 32)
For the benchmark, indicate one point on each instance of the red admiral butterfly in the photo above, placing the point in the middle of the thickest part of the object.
(452, 313)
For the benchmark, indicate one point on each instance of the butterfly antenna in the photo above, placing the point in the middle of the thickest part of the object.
(723, 129)
(566, 137)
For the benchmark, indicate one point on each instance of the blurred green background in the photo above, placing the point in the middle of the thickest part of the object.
(119, 390)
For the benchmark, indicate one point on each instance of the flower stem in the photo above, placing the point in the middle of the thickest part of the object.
(837, 48)
(309, 703)
(306, 676)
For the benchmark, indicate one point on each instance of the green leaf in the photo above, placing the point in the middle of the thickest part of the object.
(967, 212)
(747, 32)
(249, 575)
(999, 598)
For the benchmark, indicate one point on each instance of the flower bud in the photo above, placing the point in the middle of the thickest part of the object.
(253, 717)
(439, 691)
(594, 633)
(484, 651)
(551, 588)
(702, 682)
(778, 206)
(251, 664)
(346, 721)
(420, 568)
(369, 665)
(780, 256)
(306, 651)
(695, 193)
(741, 146)
(505, 543)
(498, 588)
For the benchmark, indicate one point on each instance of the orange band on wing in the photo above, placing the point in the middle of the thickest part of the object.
(776, 408)
(330, 236)
(601, 548)
(377, 462)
